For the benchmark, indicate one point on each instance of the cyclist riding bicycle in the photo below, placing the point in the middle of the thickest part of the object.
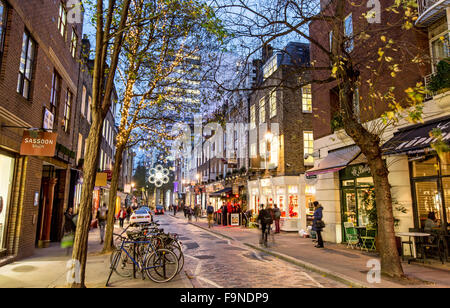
(266, 220)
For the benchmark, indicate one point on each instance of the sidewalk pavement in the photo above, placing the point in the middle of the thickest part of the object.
(335, 260)
(47, 269)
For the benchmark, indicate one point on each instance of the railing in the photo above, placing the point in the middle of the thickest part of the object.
(427, 80)
(426, 4)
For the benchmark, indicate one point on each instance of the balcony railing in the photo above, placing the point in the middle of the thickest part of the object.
(430, 11)
(427, 80)
(425, 5)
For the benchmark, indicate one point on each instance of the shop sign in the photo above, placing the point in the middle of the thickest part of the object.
(280, 191)
(235, 219)
(38, 143)
(101, 179)
(360, 171)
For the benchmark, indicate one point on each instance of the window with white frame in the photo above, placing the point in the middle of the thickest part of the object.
(273, 104)
(307, 99)
(262, 110)
(74, 43)
(439, 42)
(67, 109)
(62, 21)
(271, 66)
(308, 148)
(26, 65)
(89, 115)
(83, 101)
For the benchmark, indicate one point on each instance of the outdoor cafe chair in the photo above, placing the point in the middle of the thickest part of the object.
(351, 235)
(368, 239)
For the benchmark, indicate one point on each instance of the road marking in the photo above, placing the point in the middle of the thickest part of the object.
(210, 282)
(313, 280)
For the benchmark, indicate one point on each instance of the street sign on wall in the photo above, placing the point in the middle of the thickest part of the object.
(38, 143)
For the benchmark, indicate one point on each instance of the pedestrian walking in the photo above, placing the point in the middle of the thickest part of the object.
(276, 218)
(265, 218)
(102, 217)
(69, 231)
(121, 216)
(129, 212)
(225, 215)
(318, 223)
(190, 213)
(210, 212)
(175, 208)
(196, 212)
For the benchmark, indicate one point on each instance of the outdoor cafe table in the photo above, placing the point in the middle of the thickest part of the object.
(413, 235)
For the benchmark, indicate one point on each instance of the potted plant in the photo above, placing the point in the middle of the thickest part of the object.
(440, 84)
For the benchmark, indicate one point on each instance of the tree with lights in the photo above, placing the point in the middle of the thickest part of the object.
(154, 54)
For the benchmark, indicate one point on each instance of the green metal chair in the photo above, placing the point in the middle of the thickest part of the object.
(368, 239)
(351, 235)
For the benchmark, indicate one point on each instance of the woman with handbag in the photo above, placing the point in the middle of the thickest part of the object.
(318, 223)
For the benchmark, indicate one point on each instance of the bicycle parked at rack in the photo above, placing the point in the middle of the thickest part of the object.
(149, 250)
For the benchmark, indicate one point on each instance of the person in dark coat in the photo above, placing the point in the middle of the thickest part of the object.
(225, 215)
(315, 227)
(69, 226)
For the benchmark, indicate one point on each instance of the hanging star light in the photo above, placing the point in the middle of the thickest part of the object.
(159, 176)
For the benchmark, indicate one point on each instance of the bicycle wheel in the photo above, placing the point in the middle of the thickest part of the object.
(121, 263)
(161, 265)
(179, 253)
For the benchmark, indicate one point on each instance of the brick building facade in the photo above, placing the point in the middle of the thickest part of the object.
(38, 81)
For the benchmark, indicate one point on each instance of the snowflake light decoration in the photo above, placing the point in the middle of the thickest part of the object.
(159, 176)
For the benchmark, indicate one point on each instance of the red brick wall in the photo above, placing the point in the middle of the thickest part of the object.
(408, 43)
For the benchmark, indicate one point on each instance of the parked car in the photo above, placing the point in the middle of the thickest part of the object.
(142, 215)
(159, 210)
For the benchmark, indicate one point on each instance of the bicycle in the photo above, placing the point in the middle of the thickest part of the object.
(159, 265)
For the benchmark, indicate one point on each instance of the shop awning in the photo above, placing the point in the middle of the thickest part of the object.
(336, 160)
(220, 192)
(417, 139)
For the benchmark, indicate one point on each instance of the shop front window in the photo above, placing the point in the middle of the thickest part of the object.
(446, 188)
(428, 200)
(293, 206)
(7, 167)
(427, 167)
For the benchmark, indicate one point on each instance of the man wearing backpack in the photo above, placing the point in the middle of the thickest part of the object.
(102, 217)
(266, 221)
(210, 212)
(276, 218)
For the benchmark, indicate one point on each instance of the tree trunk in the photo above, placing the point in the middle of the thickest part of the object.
(108, 245)
(369, 144)
(85, 214)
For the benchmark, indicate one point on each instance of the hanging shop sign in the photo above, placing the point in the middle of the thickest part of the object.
(36, 143)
